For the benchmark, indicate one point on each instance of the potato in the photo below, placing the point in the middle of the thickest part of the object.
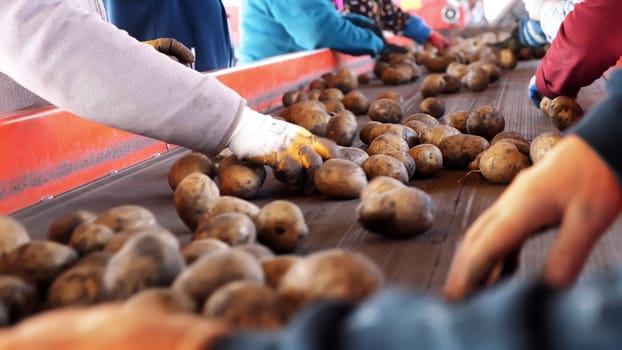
(452, 84)
(403, 132)
(486, 121)
(12, 235)
(210, 272)
(457, 120)
(333, 106)
(311, 115)
(396, 76)
(317, 84)
(425, 118)
(159, 300)
(385, 111)
(406, 159)
(292, 112)
(502, 162)
(545, 103)
(258, 251)
(459, 150)
(436, 134)
(474, 165)
(313, 94)
(229, 204)
(329, 275)
(340, 178)
(417, 126)
(193, 197)
(342, 128)
(90, 237)
(542, 144)
(61, 229)
(476, 79)
(399, 213)
(331, 94)
(19, 298)
(386, 143)
(435, 63)
(391, 95)
(379, 185)
(353, 154)
(514, 137)
(240, 178)
(125, 216)
(507, 59)
(363, 79)
(231, 228)
(365, 133)
(117, 242)
(432, 106)
(145, 261)
(456, 70)
(432, 85)
(245, 305)
(356, 102)
(196, 249)
(383, 165)
(188, 164)
(564, 112)
(78, 286)
(281, 226)
(38, 262)
(344, 80)
(494, 73)
(275, 268)
(428, 159)
(379, 68)
(94, 259)
(292, 97)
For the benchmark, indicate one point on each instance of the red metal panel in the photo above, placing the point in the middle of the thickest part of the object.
(48, 151)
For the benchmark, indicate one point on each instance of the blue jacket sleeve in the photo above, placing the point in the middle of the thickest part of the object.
(601, 128)
(316, 24)
(516, 315)
(417, 30)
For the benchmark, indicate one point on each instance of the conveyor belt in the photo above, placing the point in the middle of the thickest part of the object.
(420, 262)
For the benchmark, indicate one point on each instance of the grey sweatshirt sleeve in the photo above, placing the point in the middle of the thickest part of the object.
(80, 63)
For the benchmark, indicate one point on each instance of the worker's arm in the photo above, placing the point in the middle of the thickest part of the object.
(317, 24)
(80, 63)
(589, 41)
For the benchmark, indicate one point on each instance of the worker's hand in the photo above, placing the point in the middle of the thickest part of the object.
(111, 327)
(438, 41)
(534, 8)
(532, 91)
(389, 49)
(292, 151)
(573, 187)
(173, 49)
(364, 22)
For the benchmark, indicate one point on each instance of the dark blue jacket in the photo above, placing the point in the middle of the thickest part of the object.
(199, 24)
(276, 27)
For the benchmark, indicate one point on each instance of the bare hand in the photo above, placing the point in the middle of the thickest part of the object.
(111, 327)
(573, 187)
(173, 49)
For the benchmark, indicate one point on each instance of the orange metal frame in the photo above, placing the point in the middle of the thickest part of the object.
(45, 152)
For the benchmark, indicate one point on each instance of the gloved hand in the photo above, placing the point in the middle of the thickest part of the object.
(533, 93)
(364, 22)
(392, 48)
(437, 40)
(534, 8)
(290, 150)
(173, 49)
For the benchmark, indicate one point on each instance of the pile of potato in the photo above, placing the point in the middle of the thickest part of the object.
(123, 255)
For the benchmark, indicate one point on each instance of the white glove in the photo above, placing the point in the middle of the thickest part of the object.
(292, 151)
(533, 8)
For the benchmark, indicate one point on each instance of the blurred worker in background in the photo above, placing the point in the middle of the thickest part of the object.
(390, 17)
(273, 27)
(588, 43)
(199, 24)
(75, 60)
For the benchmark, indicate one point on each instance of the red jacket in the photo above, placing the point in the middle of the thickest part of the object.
(589, 41)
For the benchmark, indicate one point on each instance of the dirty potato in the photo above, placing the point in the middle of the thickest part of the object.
(61, 229)
(391, 95)
(432, 106)
(229, 204)
(514, 137)
(564, 112)
(459, 150)
(542, 144)
(457, 120)
(365, 133)
(386, 143)
(240, 178)
(12, 235)
(476, 79)
(188, 164)
(383, 165)
(126, 216)
(340, 178)
(20, 298)
(159, 300)
(428, 159)
(356, 102)
(258, 251)
(485, 121)
(281, 226)
(78, 286)
(196, 249)
(193, 197)
(406, 159)
(342, 128)
(90, 237)
(502, 162)
(275, 268)
(231, 228)
(436, 134)
(432, 85)
(353, 154)
(293, 96)
(425, 118)
(385, 111)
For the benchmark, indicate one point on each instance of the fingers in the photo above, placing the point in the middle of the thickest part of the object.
(311, 161)
(179, 50)
(498, 234)
(326, 148)
(289, 171)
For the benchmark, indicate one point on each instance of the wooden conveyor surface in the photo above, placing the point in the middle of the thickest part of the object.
(420, 262)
